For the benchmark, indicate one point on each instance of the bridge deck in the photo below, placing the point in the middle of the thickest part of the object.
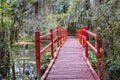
(71, 64)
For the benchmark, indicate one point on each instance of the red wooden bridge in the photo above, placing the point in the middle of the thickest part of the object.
(70, 60)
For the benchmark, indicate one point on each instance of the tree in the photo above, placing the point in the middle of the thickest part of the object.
(4, 37)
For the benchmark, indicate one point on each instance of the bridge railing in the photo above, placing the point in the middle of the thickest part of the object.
(83, 36)
(58, 35)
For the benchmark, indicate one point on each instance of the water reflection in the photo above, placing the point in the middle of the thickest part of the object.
(24, 61)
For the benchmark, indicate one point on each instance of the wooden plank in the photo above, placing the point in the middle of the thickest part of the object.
(68, 79)
(70, 64)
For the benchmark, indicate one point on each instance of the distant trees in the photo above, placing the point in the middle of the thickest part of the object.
(12, 15)
(5, 10)
(17, 17)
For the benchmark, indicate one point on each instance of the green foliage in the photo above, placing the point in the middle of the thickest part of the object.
(115, 71)
(117, 49)
(45, 60)
(5, 10)
(5, 14)
(92, 57)
(60, 6)
(114, 68)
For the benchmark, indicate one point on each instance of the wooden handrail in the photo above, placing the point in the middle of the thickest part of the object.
(44, 36)
(61, 35)
(82, 35)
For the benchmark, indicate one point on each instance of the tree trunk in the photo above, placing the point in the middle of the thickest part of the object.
(13, 72)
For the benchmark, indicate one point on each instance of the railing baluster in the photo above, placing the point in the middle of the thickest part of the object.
(60, 36)
(63, 34)
(57, 34)
(99, 58)
(79, 36)
(66, 33)
(51, 40)
(37, 53)
(82, 38)
(86, 45)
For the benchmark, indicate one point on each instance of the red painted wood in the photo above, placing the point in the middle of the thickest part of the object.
(51, 63)
(55, 39)
(37, 53)
(60, 36)
(86, 45)
(82, 34)
(55, 31)
(45, 48)
(44, 36)
(98, 47)
(99, 57)
(92, 47)
(51, 41)
(91, 34)
(57, 34)
(70, 64)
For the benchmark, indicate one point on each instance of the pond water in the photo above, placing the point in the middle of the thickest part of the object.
(23, 57)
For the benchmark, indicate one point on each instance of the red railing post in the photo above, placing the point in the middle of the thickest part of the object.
(37, 54)
(86, 45)
(99, 58)
(60, 36)
(63, 34)
(57, 34)
(82, 38)
(66, 33)
(79, 35)
(51, 40)
(98, 47)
